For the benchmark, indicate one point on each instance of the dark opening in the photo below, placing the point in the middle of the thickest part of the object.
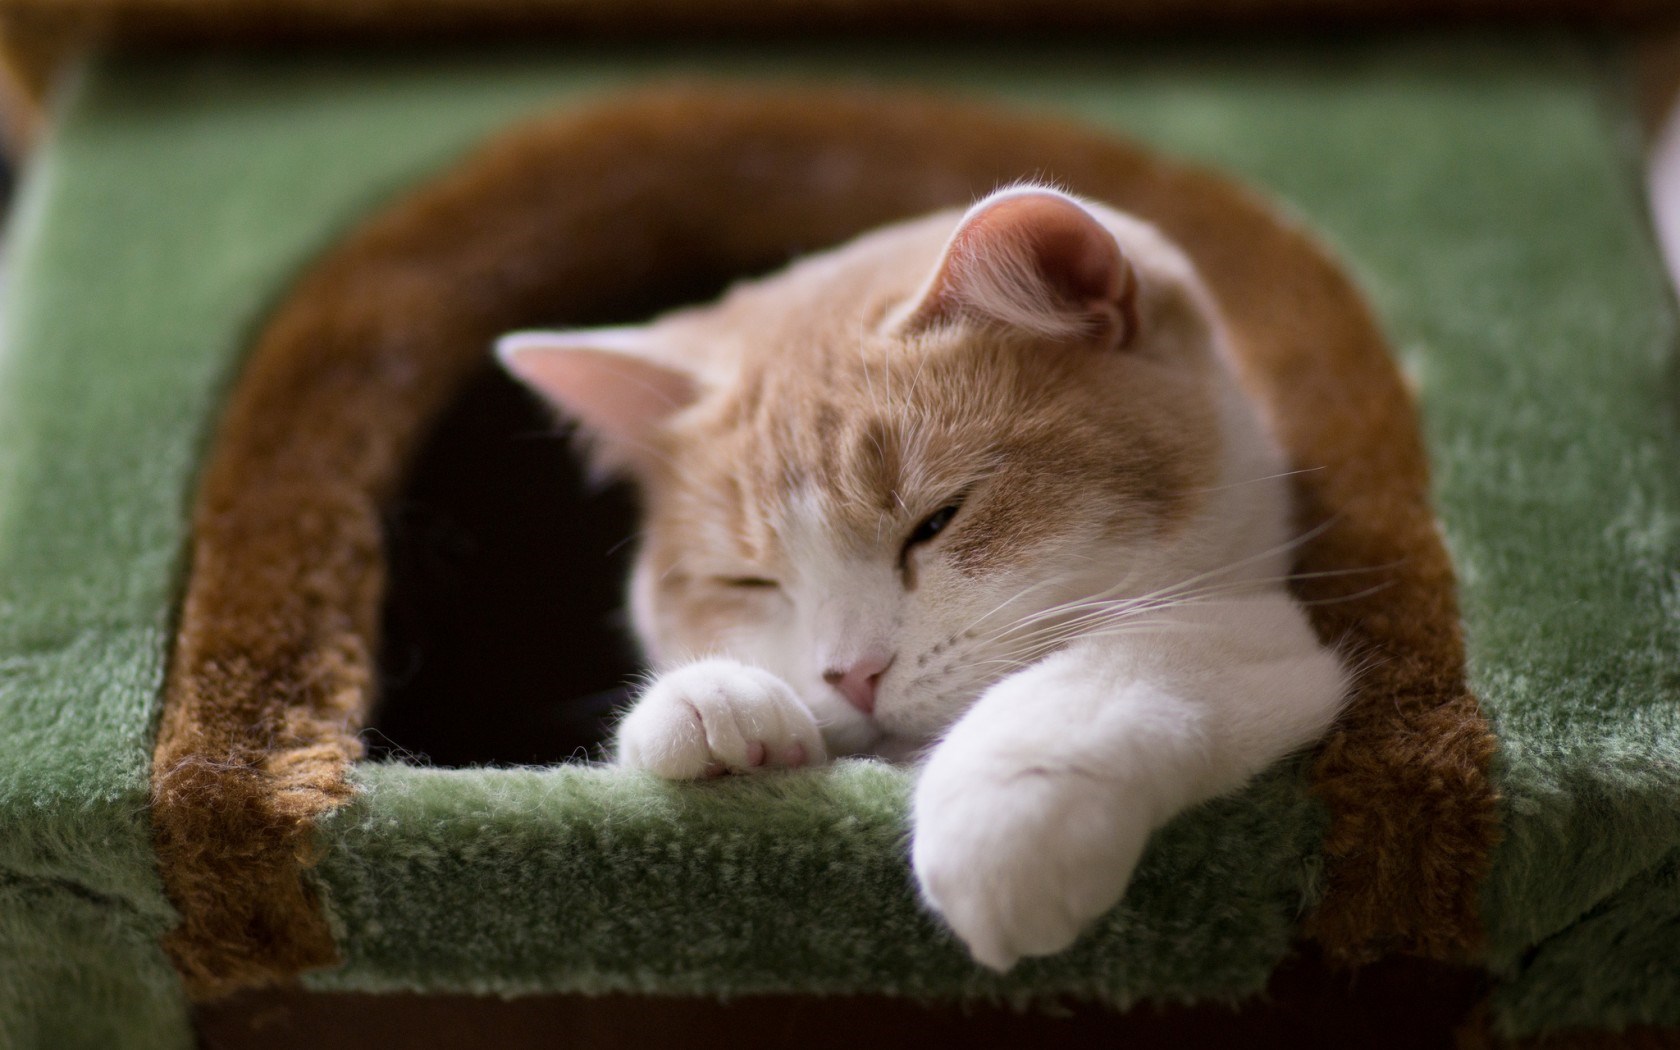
(504, 641)
(504, 635)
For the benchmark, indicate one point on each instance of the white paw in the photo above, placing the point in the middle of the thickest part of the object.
(718, 716)
(1020, 860)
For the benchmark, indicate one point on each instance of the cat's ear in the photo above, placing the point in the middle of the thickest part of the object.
(1033, 259)
(608, 380)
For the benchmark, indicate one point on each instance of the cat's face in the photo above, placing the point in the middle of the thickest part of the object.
(897, 471)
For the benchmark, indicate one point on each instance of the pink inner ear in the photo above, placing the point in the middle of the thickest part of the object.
(1038, 260)
(1077, 259)
(609, 391)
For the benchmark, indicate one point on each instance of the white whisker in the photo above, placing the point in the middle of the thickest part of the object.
(1093, 610)
(1257, 480)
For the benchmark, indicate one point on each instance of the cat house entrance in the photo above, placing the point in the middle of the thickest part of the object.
(504, 639)
(501, 639)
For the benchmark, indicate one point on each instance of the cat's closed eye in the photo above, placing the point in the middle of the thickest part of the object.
(931, 526)
(758, 583)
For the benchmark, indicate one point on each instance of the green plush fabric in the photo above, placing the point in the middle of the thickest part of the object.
(1482, 190)
(580, 879)
(1615, 965)
(94, 466)
(80, 969)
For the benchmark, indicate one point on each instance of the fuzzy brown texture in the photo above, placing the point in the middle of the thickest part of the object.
(568, 219)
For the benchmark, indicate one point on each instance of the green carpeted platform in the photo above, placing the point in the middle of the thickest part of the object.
(1485, 194)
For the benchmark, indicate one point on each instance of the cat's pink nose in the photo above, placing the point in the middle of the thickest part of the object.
(857, 683)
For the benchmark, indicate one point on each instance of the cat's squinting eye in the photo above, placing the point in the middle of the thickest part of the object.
(932, 525)
(759, 583)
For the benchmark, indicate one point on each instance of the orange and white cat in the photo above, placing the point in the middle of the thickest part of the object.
(975, 490)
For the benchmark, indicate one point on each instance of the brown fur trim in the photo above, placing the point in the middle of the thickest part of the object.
(1405, 771)
(32, 51)
(554, 223)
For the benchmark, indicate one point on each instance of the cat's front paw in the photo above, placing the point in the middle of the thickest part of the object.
(718, 716)
(1019, 859)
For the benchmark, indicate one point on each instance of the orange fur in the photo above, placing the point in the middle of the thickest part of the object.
(887, 422)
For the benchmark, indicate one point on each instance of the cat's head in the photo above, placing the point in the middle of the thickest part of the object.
(894, 472)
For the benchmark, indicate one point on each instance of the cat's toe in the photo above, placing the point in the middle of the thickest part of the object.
(718, 715)
(666, 739)
(1018, 865)
(1000, 910)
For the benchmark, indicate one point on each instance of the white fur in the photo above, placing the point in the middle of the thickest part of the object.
(1031, 813)
(717, 716)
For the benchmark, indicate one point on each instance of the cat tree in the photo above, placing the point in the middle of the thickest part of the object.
(246, 285)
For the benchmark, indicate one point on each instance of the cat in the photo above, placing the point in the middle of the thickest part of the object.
(980, 491)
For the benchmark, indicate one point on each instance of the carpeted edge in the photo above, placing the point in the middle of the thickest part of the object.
(271, 674)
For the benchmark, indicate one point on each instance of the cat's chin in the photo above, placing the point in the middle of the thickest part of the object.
(849, 733)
